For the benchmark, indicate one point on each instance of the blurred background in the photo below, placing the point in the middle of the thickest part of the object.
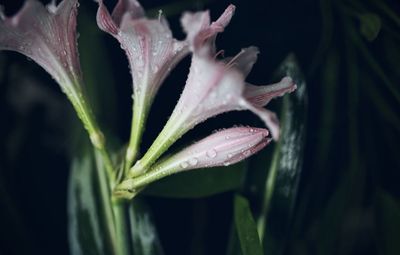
(345, 197)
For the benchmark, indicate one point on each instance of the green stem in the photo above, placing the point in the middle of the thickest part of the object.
(269, 191)
(121, 231)
(105, 195)
(270, 184)
(114, 211)
(85, 114)
(170, 133)
(139, 116)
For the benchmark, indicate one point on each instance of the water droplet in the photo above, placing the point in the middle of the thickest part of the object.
(251, 130)
(227, 163)
(64, 52)
(230, 155)
(211, 153)
(193, 161)
(247, 153)
(184, 164)
(227, 137)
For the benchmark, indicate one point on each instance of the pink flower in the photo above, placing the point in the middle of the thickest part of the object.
(152, 52)
(48, 36)
(222, 148)
(214, 87)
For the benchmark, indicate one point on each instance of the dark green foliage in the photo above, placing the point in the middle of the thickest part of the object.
(246, 227)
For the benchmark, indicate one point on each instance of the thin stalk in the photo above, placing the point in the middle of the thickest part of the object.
(139, 116)
(121, 231)
(105, 195)
(270, 185)
(114, 211)
(168, 135)
(96, 136)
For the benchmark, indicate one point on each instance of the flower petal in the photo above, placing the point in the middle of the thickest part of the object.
(261, 95)
(244, 60)
(222, 148)
(127, 7)
(213, 88)
(48, 36)
(152, 53)
(199, 30)
(210, 89)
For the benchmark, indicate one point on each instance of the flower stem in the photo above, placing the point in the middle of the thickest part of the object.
(96, 136)
(107, 209)
(140, 111)
(170, 133)
(120, 218)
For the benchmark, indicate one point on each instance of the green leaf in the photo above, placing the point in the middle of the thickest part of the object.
(246, 228)
(143, 232)
(199, 183)
(85, 221)
(370, 25)
(275, 218)
(387, 216)
(91, 217)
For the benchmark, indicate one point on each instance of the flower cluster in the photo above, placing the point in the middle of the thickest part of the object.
(214, 86)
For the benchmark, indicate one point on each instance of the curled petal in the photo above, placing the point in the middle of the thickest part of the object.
(199, 30)
(48, 36)
(111, 23)
(132, 8)
(222, 148)
(261, 95)
(151, 50)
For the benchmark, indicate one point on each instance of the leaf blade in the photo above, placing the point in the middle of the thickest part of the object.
(246, 227)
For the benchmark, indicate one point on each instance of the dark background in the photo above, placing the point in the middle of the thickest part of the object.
(351, 167)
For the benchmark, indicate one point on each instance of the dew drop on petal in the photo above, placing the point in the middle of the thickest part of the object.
(193, 161)
(211, 153)
(247, 153)
(184, 164)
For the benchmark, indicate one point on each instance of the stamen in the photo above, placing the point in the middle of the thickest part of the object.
(219, 53)
(160, 14)
(231, 62)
